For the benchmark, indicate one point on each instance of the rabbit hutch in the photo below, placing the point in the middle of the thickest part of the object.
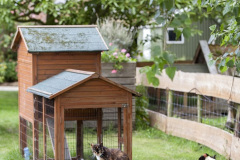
(64, 102)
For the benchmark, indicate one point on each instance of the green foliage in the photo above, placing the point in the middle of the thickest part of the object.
(160, 62)
(2, 71)
(8, 71)
(142, 118)
(117, 57)
(75, 12)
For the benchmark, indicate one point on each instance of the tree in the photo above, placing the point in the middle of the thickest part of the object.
(73, 12)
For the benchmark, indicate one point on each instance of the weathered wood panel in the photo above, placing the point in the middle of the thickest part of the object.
(129, 70)
(158, 121)
(215, 138)
(50, 64)
(125, 77)
(235, 148)
(25, 81)
(85, 95)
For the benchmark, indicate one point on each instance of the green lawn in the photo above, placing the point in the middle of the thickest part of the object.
(149, 144)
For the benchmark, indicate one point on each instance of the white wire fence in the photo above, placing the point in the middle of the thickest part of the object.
(200, 108)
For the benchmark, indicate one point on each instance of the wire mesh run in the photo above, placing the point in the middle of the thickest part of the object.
(204, 109)
(26, 136)
(48, 128)
(43, 128)
(38, 128)
(92, 126)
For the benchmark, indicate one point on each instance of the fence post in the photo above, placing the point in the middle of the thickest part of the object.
(199, 108)
(185, 99)
(237, 123)
(170, 104)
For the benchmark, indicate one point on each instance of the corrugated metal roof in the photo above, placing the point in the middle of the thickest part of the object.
(58, 83)
(60, 39)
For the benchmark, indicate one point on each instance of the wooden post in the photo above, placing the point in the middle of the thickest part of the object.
(35, 129)
(158, 97)
(129, 119)
(22, 134)
(170, 104)
(61, 133)
(57, 136)
(185, 99)
(125, 130)
(120, 128)
(79, 139)
(237, 123)
(44, 130)
(99, 125)
(199, 108)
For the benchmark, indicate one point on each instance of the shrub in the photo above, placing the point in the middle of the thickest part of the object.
(142, 118)
(113, 31)
(2, 71)
(116, 57)
(8, 71)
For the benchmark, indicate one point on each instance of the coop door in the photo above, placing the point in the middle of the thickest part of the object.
(86, 126)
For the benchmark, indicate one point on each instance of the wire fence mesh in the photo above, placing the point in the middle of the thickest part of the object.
(204, 109)
(85, 131)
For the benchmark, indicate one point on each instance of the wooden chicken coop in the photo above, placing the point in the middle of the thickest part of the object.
(59, 76)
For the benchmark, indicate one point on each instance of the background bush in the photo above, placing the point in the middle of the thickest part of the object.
(142, 118)
(8, 71)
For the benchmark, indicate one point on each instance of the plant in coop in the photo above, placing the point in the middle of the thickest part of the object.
(117, 57)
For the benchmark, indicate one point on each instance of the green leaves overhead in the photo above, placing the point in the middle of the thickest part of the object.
(170, 71)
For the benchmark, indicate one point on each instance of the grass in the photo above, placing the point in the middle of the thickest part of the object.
(9, 126)
(149, 144)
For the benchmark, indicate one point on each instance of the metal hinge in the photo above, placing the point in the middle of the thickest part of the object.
(125, 105)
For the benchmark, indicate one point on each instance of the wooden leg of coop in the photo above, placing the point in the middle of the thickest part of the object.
(120, 128)
(22, 134)
(99, 126)
(36, 130)
(79, 139)
(129, 117)
(44, 130)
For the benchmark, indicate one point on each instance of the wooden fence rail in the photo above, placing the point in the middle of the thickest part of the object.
(214, 85)
(219, 86)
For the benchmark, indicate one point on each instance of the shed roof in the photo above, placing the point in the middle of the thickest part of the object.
(60, 38)
(66, 80)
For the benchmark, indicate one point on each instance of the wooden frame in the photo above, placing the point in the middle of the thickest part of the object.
(36, 67)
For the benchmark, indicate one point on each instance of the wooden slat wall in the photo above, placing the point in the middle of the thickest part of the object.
(25, 81)
(95, 93)
(49, 64)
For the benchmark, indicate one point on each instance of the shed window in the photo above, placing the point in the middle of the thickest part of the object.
(171, 37)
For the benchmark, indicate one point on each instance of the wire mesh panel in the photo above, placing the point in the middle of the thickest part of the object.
(26, 136)
(157, 99)
(204, 109)
(38, 127)
(48, 128)
(86, 126)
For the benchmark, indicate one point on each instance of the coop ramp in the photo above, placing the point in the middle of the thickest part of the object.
(50, 125)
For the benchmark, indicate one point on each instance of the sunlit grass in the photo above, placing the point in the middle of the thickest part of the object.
(148, 144)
